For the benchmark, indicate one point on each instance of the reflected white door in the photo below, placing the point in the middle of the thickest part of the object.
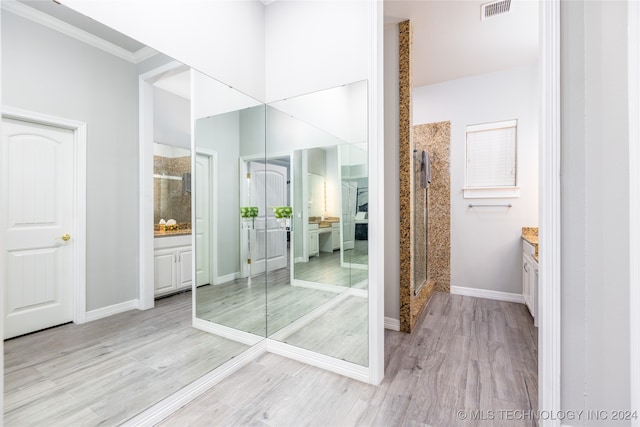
(38, 192)
(269, 244)
(203, 219)
(349, 194)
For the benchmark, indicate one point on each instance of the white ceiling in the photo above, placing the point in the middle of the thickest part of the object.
(84, 23)
(450, 41)
(178, 84)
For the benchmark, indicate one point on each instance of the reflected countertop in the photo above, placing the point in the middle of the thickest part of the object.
(322, 223)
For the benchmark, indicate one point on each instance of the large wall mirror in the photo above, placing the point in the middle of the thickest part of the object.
(288, 185)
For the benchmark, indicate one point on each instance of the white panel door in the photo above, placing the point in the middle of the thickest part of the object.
(203, 220)
(38, 192)
(269, 244)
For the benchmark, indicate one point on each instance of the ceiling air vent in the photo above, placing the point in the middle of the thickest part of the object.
(495, 8)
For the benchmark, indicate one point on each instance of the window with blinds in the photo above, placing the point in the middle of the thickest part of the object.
(491, 159)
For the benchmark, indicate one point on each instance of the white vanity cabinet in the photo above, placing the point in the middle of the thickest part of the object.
(329, 237)
(335, 235)
(172, 262)
(314, 240)
(530, 279)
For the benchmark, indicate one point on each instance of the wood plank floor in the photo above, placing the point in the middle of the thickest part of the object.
(466, 354)
(106, 371)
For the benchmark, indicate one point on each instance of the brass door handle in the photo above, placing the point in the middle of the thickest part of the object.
(66, 237)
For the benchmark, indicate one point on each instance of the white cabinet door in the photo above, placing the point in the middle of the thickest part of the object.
(526, 283)
(335, 235)
(185, 274)
(314, 243)
(164, 273)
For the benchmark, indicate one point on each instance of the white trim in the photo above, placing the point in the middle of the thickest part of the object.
(634, 205)
(110, 310)
(318, 286)
(376, 162)
(492, 125)
(220, 280)
(550, 285)
(166, 407)
(392, 324)
(143, 54)
(146, 290)
(484, 293)
(348, 369)
(79, 200)
(225, 331)
(49, 21)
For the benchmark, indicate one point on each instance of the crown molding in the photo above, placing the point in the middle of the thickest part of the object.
(41, 18)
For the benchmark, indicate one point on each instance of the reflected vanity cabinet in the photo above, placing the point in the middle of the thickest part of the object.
(314, 240)
(530, 279)
(172, 261)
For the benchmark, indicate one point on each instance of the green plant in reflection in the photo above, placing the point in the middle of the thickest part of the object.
(282, 211)
(248, 211)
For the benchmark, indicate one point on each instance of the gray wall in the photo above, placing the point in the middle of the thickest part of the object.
(171, 119)
(595, 222)
(47, 72)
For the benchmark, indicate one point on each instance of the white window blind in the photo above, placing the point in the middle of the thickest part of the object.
(491, 155)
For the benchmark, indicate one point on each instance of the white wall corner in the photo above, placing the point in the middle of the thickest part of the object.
(550, 285)
(634, 203)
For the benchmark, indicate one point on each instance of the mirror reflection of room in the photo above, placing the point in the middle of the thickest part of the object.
(171, 190)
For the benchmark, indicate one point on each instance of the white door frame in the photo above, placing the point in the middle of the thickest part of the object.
(213, 209)
(549, 289)
(634, 203)
(146, 296)
(79, 230)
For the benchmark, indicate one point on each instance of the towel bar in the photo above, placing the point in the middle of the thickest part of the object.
(505, 205)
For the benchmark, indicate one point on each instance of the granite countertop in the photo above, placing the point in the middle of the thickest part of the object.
(171, 233)
(530, 234)
(180, 229)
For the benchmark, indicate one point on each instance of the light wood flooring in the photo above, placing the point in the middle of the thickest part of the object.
(465, 354)
(106, 371)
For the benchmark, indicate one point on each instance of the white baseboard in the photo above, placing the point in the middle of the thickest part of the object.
(483, 293)
(392, 324)
(318, 286)
(112, 309)
(227, 278)
(163, 409)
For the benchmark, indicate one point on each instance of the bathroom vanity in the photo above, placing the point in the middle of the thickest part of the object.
(172, 261)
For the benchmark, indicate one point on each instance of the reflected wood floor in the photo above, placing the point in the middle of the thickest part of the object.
(325, 268)
(252, 309)
(465, 354)
(106, 371)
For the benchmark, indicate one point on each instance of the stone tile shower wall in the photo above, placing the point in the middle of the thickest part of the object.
(169, 198)
(436, 139)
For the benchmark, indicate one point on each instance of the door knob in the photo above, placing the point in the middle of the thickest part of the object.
(66, 237)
